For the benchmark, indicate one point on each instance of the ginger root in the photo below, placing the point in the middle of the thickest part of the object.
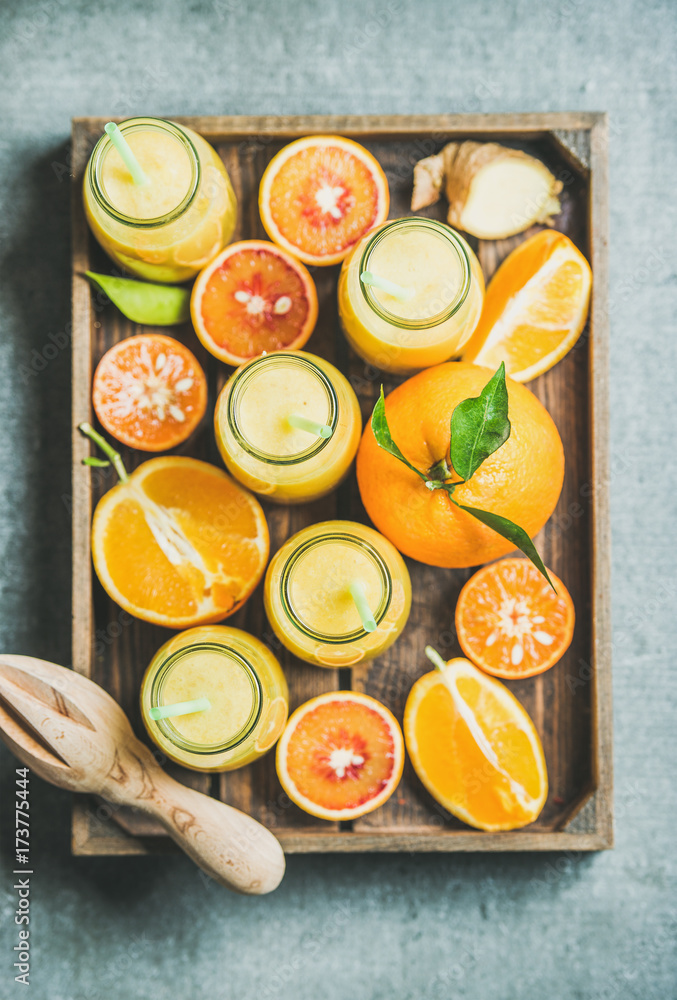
(493, 191)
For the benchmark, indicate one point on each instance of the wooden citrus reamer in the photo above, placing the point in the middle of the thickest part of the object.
(70, 732)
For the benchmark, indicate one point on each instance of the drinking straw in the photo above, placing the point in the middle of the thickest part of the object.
(180, 708)
(128, 158)
(359, 596)
(397, 291)
(303, 424)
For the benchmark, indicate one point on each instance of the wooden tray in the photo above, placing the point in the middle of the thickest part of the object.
(570, 704)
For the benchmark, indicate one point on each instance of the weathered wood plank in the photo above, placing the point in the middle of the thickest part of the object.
(601, 470)
(107, 838)
(81, 362)
(216, 127)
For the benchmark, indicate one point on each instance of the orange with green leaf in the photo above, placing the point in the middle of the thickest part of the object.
(458, 467)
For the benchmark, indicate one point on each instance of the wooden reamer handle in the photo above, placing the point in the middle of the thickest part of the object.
(231, 847)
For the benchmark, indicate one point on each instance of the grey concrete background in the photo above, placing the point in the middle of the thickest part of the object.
(401, 927)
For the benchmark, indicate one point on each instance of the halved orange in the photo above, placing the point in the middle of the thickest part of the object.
(535, 307)
(341, 755)
(179, 543)
(320, 195)
(475, 748)
(149, 392)
(511, 623)
(253, 298)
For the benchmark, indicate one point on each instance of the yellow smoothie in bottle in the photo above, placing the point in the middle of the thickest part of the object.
(167, 229)
(288, 426)
(443, 292)
(243, 685)
(309, 593)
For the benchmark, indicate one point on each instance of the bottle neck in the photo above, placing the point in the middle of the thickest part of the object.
(257, 378)
(300, 577)
(248, 681)
(436, 306)
(96, 181)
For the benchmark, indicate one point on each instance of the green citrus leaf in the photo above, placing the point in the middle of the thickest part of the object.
(142, 302)
(479, 426)
(379, 425)
(508, 529)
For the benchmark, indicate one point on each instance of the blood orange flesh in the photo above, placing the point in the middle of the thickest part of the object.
(149, 392)
(341, 755)
(319, 195)
(253, 297)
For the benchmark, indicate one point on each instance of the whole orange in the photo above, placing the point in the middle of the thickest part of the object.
(521, 481)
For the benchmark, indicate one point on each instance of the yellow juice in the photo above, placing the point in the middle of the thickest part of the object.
(309, 602)
(168, 229)
(266, 452)
(446, 287)
(244, 684)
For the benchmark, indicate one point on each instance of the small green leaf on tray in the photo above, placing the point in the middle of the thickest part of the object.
(480, 426)
(508, 529)
(379, 425)
(142, 302)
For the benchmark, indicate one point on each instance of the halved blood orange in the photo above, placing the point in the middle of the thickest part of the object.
(179, 543)
(253, 298)
(149, 392)
(341, 755)
(511, 623)
(320, 195)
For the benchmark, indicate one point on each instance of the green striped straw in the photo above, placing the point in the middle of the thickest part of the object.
(180, 708)
(397, 291)
(304, 424)
(359, 596)
(128, 158)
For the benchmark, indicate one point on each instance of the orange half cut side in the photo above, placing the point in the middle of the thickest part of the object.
(319, 196)
(511, 623)
(475, 748)
(180, 543)
(341, 755)
(252, 299)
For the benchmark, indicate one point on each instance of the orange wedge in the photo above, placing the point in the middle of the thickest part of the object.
(474, 747)
(320, 195)
(253, 298)
(535, 307)
(179, 543)
(511, 623)
(341, 755)
(149, 392)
